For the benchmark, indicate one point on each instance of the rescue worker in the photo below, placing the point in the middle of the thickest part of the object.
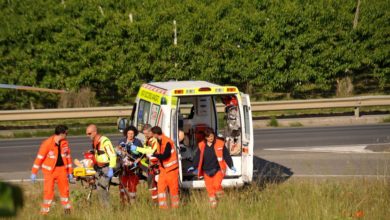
(129, 179)
(55, 159)
(169, 172)
(150, 146)
(105, 157)
(211, 160)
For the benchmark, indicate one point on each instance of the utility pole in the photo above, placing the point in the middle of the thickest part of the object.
(356, 19)
(174, 33)
(175, 37)
(131, 17)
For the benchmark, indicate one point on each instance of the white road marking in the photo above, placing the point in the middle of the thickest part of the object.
(326, 149)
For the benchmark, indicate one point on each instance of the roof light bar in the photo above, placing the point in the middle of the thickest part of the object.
(204, 89)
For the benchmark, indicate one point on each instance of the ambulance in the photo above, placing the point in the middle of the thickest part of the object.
(183, 109)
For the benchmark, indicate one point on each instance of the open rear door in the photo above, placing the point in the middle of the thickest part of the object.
(247, 139)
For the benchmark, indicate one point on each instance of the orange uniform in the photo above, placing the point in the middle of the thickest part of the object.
(213, 183)
(169, 174)
(47, 159)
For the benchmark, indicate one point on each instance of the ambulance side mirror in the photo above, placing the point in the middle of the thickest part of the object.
(122, 123)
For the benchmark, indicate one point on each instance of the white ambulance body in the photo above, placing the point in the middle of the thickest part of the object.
(191, 106)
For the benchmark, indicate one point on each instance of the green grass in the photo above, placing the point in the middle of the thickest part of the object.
(43, 128)
(296, 124)
(294, 199)
(386, 120)
(53, 122)
(273, 122)
(47, 132)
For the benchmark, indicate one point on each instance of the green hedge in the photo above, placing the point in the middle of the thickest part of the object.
(295, 47)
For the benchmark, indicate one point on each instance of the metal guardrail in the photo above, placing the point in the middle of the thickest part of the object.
(125, 111)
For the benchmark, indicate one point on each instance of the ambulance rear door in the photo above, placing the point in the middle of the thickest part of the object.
(247, 139)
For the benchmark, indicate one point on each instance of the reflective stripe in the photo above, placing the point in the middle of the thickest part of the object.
(170, 163)
(220, 148)
(39, 156)
(46, 167)
(63, 155)
(64, 199)
(35, 166)
(67, 206)
(132, 194)
(69, 165)
(161, 195)
(212, 199)
(219, 159)
(162, 203)
(154, 197)
(175, 203)
(45, 209)
(172, 151)
(152, 189)
(122, 190)
(47, 201)
(68, 156)
(52, 156)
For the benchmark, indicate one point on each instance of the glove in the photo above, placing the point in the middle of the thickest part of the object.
(190, 169)
(110, 173)
(133, 148)
(33, 178)
(234, 169)
(71, 179)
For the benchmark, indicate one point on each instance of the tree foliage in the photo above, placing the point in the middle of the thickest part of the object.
(299, 47)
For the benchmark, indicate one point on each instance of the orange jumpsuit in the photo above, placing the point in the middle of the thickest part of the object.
(213, 183)
(47, 159)
(129, 180)
(169, 175)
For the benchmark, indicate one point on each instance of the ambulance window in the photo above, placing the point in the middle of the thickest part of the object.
(246, 119)
(154, 114)
(143, 114)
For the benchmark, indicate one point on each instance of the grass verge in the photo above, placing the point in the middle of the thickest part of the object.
(294, 199)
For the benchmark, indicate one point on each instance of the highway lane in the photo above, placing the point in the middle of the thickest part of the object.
(17, 155)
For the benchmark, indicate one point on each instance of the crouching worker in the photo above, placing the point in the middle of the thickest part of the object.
(211, 160)
(56, 162)
(105, 157)
(128, 178)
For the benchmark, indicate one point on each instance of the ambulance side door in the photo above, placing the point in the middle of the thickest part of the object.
(247, 139)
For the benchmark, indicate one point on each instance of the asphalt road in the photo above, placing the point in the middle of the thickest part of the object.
(17, 155)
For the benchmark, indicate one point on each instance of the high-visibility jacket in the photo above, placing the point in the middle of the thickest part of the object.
(150, 146)
(171, 162)
(48, 154)
(104, 151)
(218, 148)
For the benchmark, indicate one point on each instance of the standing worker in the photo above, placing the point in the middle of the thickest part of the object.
(129, 179)
(105, 157)
(150, 146)
(169, 172)
(56, 162)
(211, 160)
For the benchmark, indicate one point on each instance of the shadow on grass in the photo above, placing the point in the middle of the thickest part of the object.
(266, 172)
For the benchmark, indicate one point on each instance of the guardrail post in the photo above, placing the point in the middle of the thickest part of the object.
(357, 112)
